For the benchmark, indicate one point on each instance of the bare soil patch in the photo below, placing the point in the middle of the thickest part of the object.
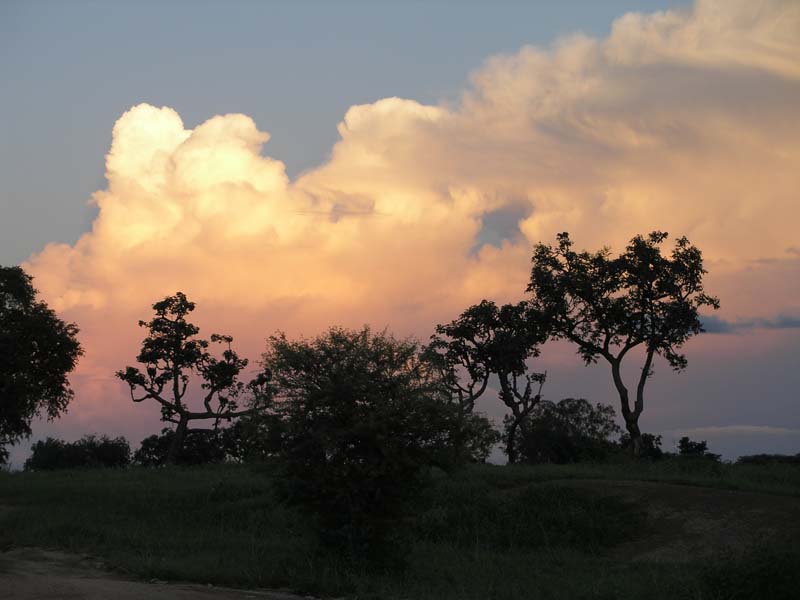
(36, 574)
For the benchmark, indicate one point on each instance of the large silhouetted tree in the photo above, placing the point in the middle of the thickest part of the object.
(171, 353)
(490, 340)
(37, 352)
(608, 306)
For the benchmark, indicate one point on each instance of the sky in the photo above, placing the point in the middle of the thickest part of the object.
(296, 166)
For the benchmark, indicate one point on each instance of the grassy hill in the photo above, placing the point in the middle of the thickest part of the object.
(676, 529)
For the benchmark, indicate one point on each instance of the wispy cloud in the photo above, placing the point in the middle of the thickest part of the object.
(714, 324)
(716, 430)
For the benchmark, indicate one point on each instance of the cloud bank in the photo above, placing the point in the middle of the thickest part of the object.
(684, 121)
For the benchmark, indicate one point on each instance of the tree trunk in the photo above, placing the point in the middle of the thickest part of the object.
(177, 441)
(459, 451)
(631, 417)
(511, 447)
(632, 426)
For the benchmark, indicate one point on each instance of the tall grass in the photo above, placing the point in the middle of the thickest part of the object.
(482, 533)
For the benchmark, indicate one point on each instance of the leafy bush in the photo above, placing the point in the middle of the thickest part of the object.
(249, 439)
(253, 438)
(570, 431)
(695, 450)
(362, 422)
(477, 437)
(199, 448)
(90, 451)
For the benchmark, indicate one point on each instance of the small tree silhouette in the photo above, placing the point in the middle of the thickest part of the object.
(486, 340)
(171, 353)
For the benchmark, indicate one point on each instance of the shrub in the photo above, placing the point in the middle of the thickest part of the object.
(90, 451)
(361, 424)
(199, 448)
(570, 431)
(696, 450)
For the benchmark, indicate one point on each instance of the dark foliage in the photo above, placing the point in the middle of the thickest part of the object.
(476, 436)
(253, 438)
(199, 447)
(690, 449)
(569, 431)
(37, 352)
(250, 439)
(489, 340)
(607, 306)
(650, 446)
(769, 459)
(91, 451)
(362, 421)
(171, 353)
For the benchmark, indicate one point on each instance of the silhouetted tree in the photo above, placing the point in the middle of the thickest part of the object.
(461, 364)
(692, 449)
(171, 354)
(609, 306)
(91, 451)
(486, 340)
(569, 431)
(37, 352)
(362, 420)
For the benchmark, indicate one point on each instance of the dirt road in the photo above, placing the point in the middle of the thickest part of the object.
(33, 574)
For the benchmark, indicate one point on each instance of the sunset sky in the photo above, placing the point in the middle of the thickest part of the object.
(296, 166)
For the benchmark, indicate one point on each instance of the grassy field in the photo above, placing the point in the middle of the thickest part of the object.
(662, 530)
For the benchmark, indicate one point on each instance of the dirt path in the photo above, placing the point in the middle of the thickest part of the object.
(685, 521)
(34, 574)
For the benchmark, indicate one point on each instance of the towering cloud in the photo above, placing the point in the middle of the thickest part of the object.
(684, 121)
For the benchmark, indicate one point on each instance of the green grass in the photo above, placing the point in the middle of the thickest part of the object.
(483, 533)
(771, 479)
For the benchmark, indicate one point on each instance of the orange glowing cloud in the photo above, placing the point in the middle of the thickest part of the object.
(684, 121)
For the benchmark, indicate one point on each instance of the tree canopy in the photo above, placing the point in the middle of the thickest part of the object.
(608, 306)
(37, 352)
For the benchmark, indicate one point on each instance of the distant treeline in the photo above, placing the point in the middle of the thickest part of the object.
(571, 431)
